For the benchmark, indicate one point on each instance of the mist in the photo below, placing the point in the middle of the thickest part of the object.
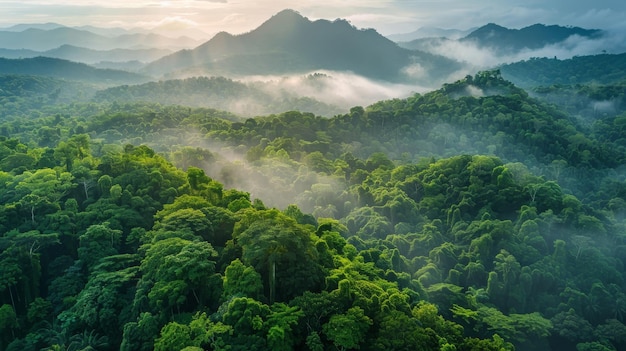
(476, 58)
(342, 89)
(276, 180)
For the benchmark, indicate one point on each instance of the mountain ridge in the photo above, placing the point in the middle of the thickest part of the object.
(47, 39)
(58, 68)
(290, 43)
(534, 36)
(89, 56)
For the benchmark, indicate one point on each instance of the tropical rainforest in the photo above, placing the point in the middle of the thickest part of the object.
(477, 216)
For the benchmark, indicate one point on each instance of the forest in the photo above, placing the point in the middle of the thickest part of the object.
(478, 216)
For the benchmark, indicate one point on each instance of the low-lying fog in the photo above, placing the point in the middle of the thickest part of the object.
(341, 89)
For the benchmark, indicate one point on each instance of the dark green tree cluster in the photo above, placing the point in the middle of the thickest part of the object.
(605, 68)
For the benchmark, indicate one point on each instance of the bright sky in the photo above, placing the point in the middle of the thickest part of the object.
(386, 16)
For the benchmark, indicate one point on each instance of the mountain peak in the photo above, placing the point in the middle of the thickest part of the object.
(290, 43)
(288, 13)
(285, 20)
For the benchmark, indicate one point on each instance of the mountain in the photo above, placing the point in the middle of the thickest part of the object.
(43, 40)
(24, 26)
(90, 56)
(290, 43)
(532, 37)
(51, 67)
(425, 44)
(79, 54)
(430, 32)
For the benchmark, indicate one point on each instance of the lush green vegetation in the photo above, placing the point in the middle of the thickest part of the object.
(473, 217)
(598, 69)
(64, 69)
(219, 93)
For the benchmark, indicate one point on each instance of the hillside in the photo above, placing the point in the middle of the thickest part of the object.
(593, 69)
(219, 93)
(289, 43)
(89, 56)
(51, 67)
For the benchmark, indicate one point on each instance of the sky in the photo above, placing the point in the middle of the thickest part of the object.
(201, 18)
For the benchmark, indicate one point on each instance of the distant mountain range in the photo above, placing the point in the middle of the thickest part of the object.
(286, 44)
(430, 32)
(52, 37)
(90, 56)
(503, 40)
(57, 68)
(531, 37)
(290, 43)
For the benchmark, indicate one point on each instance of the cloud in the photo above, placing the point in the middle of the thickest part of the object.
(174, 23)
(340, 89)
(477, 58)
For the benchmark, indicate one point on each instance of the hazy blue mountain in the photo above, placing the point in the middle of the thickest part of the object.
(19, 53)
(43, 40)
(110, 32)
(24, 26)
(130, 66)
(425, 44)
(291, 43)
(78, 54)
(51, 67)
(532, 37)
(430, 32)
(90, 56)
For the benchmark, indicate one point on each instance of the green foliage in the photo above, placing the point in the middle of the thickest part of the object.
(443, 221)
(347, 331)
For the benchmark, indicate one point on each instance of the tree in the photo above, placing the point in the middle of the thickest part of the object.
(348, 330)
(400, 332)
(180, 269)
(44, 187)
(281, 250)
(242, 280)
(97, 242)
(280, 324)
(8, 324)
(140, 335)
(613, 331)
(207, 333)
(245, 315)
(174, 336)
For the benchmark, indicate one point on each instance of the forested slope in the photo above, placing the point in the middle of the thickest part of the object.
(219, 93)
(473, 217)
